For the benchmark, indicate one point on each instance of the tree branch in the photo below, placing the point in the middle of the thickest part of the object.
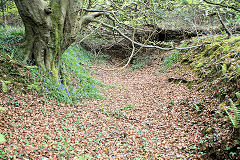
(114, 18)
(224, 26)
(95, 10)
(132, 54)
(222, 5)
(140, 44)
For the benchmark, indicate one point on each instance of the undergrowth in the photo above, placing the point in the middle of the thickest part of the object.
(76, 81)
(218, 68)
(170, 60)
(218, 65)
(10, 38)
(140, 61)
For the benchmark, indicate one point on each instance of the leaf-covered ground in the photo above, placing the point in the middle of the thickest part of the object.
(144, 116)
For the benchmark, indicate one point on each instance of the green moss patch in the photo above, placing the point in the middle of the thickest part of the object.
(218, 63)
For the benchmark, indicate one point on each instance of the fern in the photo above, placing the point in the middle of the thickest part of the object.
(233, 112)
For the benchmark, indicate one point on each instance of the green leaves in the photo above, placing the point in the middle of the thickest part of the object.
(2, 109)
(233, 112)
(84, 157)
(238, 96)
(224, 68)
(35, 85)
(4, 86)
(2, 138)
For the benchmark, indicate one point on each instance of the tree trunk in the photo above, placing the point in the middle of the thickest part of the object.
(49, 30)
(3, 5)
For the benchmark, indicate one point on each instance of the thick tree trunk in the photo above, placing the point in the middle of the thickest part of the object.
(49, 30)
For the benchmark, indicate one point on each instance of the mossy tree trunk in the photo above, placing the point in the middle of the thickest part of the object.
(50, 27)
(3, 6)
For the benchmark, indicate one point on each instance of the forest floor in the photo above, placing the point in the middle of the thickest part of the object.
(143, 116)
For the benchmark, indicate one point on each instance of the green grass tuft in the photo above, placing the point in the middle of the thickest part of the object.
(170, 60)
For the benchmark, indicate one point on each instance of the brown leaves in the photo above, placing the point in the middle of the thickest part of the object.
(143, 116)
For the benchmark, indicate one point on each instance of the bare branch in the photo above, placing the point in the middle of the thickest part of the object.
(88, 34)
(93, 10)
(114, 18)
(222, 5)
(132, 54)
(140, 44)
(224, 26)
(126, 37)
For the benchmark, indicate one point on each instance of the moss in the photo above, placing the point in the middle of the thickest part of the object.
(190, 84)
(55, 72)
(56, 40)
(211, 49)
(218, 64)
(199, 88)
(234, 40)
(66, 78)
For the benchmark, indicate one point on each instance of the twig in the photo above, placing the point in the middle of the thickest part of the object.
(116, 140)
(145, 42)
(114, 18)
(196, 136)
(131, 56)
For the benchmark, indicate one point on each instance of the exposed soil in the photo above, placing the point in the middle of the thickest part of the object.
(142, 116)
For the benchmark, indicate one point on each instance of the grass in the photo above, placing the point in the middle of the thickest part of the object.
(170, 60)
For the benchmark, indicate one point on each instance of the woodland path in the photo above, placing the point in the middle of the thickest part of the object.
(153, 117)
(143, 116)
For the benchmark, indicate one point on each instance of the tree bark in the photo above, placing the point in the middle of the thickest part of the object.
(3, 6)
(49, 30)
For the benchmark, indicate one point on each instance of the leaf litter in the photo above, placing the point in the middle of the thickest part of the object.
(143, 116)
